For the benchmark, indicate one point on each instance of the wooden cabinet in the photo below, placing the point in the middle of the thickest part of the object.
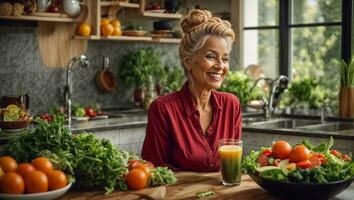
(97, 8)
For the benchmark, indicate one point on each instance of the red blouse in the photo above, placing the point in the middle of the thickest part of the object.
(174, 136)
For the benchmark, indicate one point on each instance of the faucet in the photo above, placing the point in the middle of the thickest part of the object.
(68, 87)
(277, 87)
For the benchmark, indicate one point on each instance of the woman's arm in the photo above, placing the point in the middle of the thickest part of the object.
(157, 145)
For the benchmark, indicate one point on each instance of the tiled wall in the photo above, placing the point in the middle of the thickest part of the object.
(22, 71)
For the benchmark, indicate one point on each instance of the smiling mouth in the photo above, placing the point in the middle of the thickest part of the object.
(214, 76)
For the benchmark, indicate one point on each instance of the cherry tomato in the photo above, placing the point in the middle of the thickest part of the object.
(315, 161)
(335, 152)
(281, 149)
(90, 112)
(267, 152)
(304, 164)
(263, 160)
(346, 157)
(299, 153)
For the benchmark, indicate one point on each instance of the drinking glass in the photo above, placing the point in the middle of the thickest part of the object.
(230, 153)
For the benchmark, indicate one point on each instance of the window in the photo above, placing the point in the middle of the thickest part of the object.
(305, 41)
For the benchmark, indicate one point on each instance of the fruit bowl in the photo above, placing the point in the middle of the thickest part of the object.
(294, 190)
(13, 125)
(37, 196)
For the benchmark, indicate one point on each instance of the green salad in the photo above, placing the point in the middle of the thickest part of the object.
(303, 163)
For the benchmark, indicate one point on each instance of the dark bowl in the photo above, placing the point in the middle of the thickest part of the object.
(163, 25)
(10, 125)
(292, 190)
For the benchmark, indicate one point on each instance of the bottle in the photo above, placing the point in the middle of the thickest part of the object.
(150, 94)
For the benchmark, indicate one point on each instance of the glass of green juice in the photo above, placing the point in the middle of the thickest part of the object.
(230, 153)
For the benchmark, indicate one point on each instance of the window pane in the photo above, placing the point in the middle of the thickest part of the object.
(261, 48)
(314, 11)
(261, 13)
(316, 53)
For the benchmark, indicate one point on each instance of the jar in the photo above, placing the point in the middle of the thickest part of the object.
(72, 7)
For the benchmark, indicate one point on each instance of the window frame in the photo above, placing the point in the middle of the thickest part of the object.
(285, 26)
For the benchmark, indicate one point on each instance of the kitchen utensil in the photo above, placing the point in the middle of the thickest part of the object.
(22, 101)
(14, 125)
(105, 79)
(163, 25)
(42, 5)
(72, 7)
(134, 33)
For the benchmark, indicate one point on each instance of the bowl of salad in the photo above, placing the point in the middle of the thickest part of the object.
(301, 171)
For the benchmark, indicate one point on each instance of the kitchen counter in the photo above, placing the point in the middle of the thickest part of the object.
(190, 183)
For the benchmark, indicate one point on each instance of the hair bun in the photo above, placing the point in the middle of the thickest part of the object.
(193, 19)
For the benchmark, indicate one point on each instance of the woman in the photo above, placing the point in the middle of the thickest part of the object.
(184, 127)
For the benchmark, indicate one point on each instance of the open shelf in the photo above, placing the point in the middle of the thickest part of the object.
(49, 17)
(130, 39)
(120, 4)
(162, 15)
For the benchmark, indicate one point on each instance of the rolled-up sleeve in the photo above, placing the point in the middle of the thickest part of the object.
(157, 147)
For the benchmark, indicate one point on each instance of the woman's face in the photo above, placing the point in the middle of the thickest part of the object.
(209, 65)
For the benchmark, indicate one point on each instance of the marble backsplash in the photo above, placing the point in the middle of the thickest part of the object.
(22, 71)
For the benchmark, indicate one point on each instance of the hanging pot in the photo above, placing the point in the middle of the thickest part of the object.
(105, 79)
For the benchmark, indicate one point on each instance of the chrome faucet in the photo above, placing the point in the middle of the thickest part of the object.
(68, 87)
(277, 87)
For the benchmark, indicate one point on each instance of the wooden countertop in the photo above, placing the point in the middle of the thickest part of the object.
(188, 184)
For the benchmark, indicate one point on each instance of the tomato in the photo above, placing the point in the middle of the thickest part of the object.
(36, 181)
(136, 179)
(42, 164)
(281, 149)
(24, 168)
(133, 163)
(335, 153)
(299, 153)
(346, 157)
(12, 183)
(57, 179)
(267, 152)
(315, 161)
(145, 168)
(8, 164)
(263, 160)
(321, 156)
(90, 112)
(304, 164)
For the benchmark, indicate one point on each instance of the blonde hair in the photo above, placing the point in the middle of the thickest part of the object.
(197, 26)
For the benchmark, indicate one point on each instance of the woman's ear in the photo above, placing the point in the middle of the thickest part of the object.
(186, 64)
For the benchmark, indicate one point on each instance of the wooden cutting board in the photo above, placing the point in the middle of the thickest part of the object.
(149, 193)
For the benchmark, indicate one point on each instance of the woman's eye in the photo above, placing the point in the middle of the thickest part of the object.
(210, 56)
(225, 59)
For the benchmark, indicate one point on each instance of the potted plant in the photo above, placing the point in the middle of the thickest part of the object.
(346, 94)
(136, 68)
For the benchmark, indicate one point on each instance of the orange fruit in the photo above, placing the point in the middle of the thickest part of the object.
(281, 149)
(116, 31)
(8, 164)
(42, 164)
(24, 168)
(84, 29)
(36, 181)
(105, 21)
(136, 179)
(107, 29)
(12, 183)
(115, 23)
(299, 153)
(57, 179)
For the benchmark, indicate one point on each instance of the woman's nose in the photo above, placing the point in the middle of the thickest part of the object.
(219, 64)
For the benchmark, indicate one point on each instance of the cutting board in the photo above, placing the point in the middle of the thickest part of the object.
(148, 193)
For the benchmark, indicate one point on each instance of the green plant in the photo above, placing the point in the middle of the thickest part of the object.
(240, 84)
(346, 71)
(136, 67)
(174, 80)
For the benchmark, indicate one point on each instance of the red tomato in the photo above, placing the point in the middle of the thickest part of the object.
(335, 153)
(136, 179)
(267, 152)
(346, 157)
(299, 153)
(145, 168)
(315, 161)
(281, 149)
(304, 164)
(90, 112)
(133, 163)
(263, 160)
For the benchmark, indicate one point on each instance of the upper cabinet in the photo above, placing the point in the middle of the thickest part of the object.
(132, 17)
(31, 10)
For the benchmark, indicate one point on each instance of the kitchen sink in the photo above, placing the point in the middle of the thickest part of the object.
(330, 127)
(283, 123)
